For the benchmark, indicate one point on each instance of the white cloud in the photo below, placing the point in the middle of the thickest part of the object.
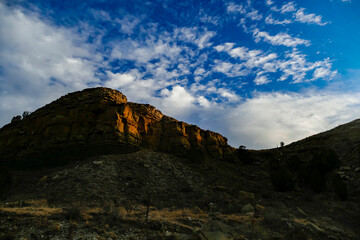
(194, 35)
(177, 102)
(224, 47)
(119, 80)
(270, 20)
(268, 118)
(261, 79)
(298, 15)
(229, 95)
(279, 39)
(203, 102)
(40, 61)
(230, 69)
(294, 64)
(128, 24)
(235, 8)
(287, 7)
(246, 10)
(269, 2)
(254, 15)
(312, 18)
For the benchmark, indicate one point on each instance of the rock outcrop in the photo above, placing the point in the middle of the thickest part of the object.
(98, 121)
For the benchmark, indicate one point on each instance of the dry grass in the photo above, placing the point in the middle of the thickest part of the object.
(33, 211)
(241, 218)
(180, 217)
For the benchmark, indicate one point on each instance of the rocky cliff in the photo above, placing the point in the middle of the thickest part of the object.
(101, 120)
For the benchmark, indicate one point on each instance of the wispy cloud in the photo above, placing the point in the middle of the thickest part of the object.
(279, 39)
(298, 15)
(287, 7)
(311, 18)
(244, 9)
(293, 65)
(270, 20)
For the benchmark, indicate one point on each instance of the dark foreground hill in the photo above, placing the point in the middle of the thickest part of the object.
(93, 166)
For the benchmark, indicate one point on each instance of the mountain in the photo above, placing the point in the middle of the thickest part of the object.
(92, 165)
(101, 120)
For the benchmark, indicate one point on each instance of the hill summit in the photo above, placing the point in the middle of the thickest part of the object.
(101, 120)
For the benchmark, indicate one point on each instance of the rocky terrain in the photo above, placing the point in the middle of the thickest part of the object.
(100, 120)
(91, 165)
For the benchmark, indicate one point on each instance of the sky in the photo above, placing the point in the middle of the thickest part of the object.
(258, 72)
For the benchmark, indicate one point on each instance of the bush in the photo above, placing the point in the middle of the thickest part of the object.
(5, 182)
(25, 114)
(196, 155)
(244, 155)
(274, 164)
(16, 119)
(325, 161)
(294, 163)
(313, 174)
(340, 188)
(74, 212)
(282, 180)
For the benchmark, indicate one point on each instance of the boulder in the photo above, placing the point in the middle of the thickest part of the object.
(215, 230)
(248, 209)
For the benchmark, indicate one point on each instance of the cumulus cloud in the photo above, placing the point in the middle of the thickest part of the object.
(177, 102)
(279, 39)
(261, 79)
(40, 61)
(268, 118)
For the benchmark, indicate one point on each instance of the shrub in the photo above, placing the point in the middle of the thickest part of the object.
(294, 163)
(313, 174)
(274, 164)
(282, 180)
(244, 155)
(340, 188)
(16, 119)
(5, 182)
(325, 161)
(74, 212)
(196, 155)
(25, 114)
(311, 177)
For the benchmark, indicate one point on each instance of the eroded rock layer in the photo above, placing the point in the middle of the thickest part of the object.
(101, 120)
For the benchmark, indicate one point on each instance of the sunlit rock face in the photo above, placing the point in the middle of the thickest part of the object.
(98, 121)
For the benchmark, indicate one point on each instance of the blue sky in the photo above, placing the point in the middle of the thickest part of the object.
(258, 72)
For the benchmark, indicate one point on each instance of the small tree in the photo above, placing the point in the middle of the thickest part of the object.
(282, 144)
(25, 114)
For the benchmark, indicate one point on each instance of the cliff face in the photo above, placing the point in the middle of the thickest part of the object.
(100, 120)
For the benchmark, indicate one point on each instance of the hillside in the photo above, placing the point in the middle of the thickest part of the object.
(92, 165)
(101, 120)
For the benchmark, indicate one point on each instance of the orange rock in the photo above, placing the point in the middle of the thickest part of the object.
(100, 120)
